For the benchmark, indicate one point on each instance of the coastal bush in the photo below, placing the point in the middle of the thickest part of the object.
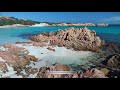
(12, 20)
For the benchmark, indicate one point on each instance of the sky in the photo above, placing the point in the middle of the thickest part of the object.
(73, 17)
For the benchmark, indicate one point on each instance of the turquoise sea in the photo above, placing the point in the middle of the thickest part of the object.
(12, 35)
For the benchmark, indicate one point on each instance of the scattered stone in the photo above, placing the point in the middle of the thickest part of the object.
(51, 49)
(28, 70)
(34, 70)
(41, 72)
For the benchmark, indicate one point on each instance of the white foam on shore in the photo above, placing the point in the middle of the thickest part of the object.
(14, 25)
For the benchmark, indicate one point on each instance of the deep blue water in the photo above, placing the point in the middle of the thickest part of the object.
(12, 35)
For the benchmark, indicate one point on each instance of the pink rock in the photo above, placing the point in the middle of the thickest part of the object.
(51, 34)
(78, 39)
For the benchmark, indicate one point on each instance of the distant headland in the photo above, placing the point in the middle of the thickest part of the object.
(6, 21)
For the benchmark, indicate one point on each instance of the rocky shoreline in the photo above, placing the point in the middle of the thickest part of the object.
(107, 65)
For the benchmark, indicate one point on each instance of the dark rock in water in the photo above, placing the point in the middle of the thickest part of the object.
(114, 74)
(113, 61)
(109, 49)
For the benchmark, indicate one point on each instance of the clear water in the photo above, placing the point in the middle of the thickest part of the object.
(12, 35)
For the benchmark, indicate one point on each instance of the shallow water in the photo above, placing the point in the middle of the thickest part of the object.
(12, 35)
(61, 55)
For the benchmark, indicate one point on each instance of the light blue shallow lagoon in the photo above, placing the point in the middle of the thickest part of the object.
(12, 35)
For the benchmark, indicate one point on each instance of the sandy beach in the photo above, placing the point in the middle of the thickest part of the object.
(14, 26)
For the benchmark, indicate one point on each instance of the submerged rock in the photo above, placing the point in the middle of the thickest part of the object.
(113, 61)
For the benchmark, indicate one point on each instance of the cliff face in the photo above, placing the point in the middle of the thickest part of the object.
(79, 39)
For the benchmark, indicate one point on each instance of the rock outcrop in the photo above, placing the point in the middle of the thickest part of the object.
(16, 57)
(44, 71)
(91, 73)
(113, 61)
(79, 39)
